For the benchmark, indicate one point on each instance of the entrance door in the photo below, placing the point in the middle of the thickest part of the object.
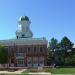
(29, 61)
(20, 63)
(35, 61)
(41, 61)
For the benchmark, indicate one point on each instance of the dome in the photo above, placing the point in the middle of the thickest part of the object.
(23, 18)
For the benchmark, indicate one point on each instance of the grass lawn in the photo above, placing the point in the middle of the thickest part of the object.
(63, 70)
(52, 70)
(55, 70)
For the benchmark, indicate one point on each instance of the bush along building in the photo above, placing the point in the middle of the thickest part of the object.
(25, 51)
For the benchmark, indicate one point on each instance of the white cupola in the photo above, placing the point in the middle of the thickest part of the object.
(24, 28)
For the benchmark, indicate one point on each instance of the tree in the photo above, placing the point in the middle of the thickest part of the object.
(53, 44)
(60, 53)
(73, 59)
(50, 57)
(65, 44)
(3, 55)
(68, 61)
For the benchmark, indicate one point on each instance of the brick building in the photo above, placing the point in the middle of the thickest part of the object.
(25, 51)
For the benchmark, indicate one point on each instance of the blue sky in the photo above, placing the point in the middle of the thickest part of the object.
(50, 18)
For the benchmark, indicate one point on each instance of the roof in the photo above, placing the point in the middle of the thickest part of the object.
(24, 18)
(24, 41)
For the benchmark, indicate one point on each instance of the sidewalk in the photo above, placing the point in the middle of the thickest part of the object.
(15, 72)
(40, 73)
(20, 72)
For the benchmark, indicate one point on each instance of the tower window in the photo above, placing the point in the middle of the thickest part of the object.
(17, 37)
(22, 35)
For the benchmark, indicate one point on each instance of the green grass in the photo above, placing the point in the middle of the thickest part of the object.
(56, 70)
(52, 70)
(63, 70)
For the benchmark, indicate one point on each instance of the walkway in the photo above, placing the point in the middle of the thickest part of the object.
(20, 71)
(40, 73)
(15, 72)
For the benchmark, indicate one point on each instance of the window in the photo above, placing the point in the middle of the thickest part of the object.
(12, 48)
(20, 61)
(41, 49)
(35, 59)
(20, 50)
(29, 60)
(41, 59)
(34, 49)
(22, 35)
(17, 37)
(20, 54)
(28, 49)
(12, 51)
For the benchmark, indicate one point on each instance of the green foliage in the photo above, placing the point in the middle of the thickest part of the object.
(53, 44)
(68, 60)
(61, 53)
(65, 43)
(3, 55)
(63, 71)
(49, 57)
(73, 59)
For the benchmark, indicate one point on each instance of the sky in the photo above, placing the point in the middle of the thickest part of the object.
(49, 18)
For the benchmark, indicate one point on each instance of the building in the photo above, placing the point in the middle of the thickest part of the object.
(25, 51)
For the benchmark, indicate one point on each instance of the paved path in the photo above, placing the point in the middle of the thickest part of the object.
(20, 71)
(40, 73)
(15, 72)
